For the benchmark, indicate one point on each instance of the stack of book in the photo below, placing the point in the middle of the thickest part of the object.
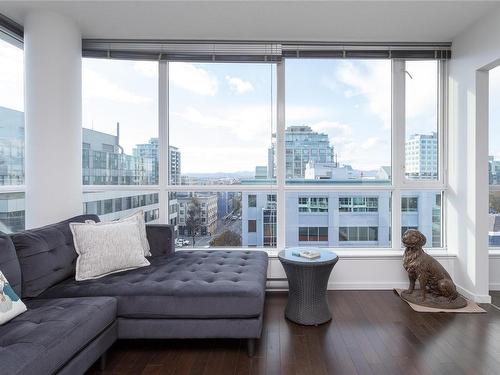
(309, 254)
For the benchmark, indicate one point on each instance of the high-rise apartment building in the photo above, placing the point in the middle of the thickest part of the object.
(302, 145)
(175, 166)
(421, 151)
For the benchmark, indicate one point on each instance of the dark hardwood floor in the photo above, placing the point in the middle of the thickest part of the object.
(495, 298)
(372, 332)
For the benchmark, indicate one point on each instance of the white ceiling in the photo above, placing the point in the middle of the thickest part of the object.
(386, 21)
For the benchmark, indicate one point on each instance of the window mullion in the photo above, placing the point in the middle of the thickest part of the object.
(163, 131)
(398, 148)
(280, 155)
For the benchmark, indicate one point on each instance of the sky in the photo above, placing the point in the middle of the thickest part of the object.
(222, 116)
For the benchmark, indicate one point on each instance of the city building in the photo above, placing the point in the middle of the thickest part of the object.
(203, 213)
(330, 171)
(421, 152)
(339, 219)
(175, 166)
(261, 172)
(302, 145)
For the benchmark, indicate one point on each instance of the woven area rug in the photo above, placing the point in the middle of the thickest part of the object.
(471, 308)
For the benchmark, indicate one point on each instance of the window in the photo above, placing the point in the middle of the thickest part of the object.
(120, 136)
(214, 219)
(409, 204)
(313, 204)
(421, 210)
(120, 122)
(313, 234)
(421, 146)
(222, 120)
(11, 114)
(349, 141)
(239, 173)
(252, 200)
(358, 234)
(494, 158)
(358, 204)
(252, 226)
(12, 210)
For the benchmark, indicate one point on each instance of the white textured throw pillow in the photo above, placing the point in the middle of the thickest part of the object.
(139, 218)
(10, 304)
(105, 248)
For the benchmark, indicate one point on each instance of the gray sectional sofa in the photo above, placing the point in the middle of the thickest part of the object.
(70, 324)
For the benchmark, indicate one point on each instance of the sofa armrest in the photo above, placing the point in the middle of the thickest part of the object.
(161, 239)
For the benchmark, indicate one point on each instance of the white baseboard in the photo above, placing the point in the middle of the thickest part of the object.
(478, 298)
(274, 285)
(283, 286)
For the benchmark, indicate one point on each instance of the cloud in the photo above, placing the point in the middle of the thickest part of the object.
(334, 129)
(11, 77)
(248, 123)
(303, 114)
(148, 69)
(95, 86)
(370, 154)
(238, 85)
(193, 78)
(221, 138)
(370, 79)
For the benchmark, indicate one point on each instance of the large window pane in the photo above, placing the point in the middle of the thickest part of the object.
(120, 122)
(11, 114)
(223, 219)
(112, 205)
(494, 157)
(422, 210)
(12, 212)
(222, 122)
(421, 146)
(338, 219)
(338, 121)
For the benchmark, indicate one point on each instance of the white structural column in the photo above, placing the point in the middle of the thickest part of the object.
(53, 102)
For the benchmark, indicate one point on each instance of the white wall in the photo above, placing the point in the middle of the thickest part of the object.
(364, 272)
(53, 102)
(473, 52)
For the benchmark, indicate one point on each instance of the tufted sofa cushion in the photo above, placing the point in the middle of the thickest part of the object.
(51, 332)
(9, 264)
(47, 255)
(188, 284)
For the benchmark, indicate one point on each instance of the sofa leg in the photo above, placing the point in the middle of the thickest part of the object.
(251, 347)
(102, 362)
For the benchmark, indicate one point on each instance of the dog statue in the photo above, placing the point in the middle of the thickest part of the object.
(431, 275)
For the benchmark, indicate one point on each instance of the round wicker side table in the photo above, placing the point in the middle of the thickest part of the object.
(307, 283)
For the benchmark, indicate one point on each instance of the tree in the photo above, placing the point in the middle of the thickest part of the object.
(227, 238)
(237, 205)
(494, 204)
(193, 219)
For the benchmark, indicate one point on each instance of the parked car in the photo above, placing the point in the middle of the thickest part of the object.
(185, 242)
(179, 242)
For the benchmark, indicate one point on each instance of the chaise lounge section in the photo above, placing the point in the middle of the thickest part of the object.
(184, 294)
